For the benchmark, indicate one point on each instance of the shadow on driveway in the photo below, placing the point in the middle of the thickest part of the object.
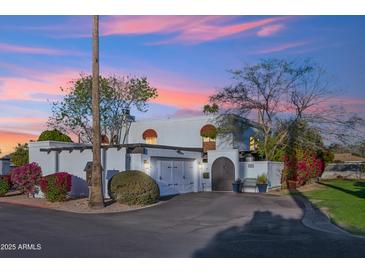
(268, 235)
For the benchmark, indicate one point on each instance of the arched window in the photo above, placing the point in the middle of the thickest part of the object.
(150, 136)
(209, 134)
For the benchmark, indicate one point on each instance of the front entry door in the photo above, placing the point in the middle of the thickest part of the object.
(222, 174)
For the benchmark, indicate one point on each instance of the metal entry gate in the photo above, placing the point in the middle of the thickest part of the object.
(222, 174)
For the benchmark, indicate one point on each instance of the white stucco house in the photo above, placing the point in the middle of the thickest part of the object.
(181, 154)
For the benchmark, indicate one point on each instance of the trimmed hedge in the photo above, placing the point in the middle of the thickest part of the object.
(134, 187)
(56, 186)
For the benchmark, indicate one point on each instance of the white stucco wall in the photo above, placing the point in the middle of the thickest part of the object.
(275, 170)
(113, 160)
(255, 168)
(231, 154)
(74, 162)
(47, 161)
(183, 132)
(205, 184)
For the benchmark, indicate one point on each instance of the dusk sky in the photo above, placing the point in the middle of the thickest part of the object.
(185, 57)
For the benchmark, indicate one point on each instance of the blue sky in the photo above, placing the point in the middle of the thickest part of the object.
(185, 57)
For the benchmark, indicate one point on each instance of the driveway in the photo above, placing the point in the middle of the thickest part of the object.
(190, 225)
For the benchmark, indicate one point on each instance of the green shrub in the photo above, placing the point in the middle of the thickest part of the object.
(4, 187)
(20, 156)
(134, 187)
(54, 135)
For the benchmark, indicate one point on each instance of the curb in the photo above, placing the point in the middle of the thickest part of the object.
(74, 212)
(24, 204)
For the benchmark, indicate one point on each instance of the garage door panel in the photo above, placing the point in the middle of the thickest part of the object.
(165, 177)
(188, 176)
(173, 176)
(177, 176)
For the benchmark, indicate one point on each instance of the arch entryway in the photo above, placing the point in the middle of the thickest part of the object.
(222, 174)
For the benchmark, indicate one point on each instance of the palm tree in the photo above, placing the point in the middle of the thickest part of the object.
(96, 196)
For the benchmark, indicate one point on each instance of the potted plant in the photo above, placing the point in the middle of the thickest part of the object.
(262, 182)
(236, 186)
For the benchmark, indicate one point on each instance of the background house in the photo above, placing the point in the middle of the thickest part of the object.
(5, 165)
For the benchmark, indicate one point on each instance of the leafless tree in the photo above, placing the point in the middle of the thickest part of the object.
(284, 94)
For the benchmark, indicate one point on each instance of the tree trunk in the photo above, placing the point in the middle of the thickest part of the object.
(96, 196)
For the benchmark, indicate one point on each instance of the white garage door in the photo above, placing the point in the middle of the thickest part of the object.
(173, 176)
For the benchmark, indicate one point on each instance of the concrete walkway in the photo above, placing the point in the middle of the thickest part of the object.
(190, 225)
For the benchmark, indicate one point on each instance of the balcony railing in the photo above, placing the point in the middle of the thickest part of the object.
(210, 145)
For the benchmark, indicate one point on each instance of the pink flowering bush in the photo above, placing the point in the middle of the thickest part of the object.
(56, 186)
(26, 177)
(304, 167)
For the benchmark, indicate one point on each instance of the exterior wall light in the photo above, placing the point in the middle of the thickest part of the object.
(200, 166)
(146, 164)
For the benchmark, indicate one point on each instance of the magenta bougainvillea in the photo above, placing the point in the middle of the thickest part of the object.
(26, 177)
(306, 166)
(56, 186)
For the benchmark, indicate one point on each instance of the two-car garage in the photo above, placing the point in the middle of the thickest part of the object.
(173, 175)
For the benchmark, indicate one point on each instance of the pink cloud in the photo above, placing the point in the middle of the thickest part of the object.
(24, 88)
(185, 112)
(10, 139)
(186, 29)
(351, 104)
(270, 30)
(34, 50)
(282, 47)
(181, 98)
(22, 120)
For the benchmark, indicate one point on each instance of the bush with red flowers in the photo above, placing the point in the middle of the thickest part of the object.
(56, 186)
(307, 166)
(26, 177)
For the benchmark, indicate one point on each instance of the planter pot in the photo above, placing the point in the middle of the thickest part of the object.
(262, 188)
(236, 187)
(292, 185)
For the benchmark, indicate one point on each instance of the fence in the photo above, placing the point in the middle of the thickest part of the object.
(344, 170)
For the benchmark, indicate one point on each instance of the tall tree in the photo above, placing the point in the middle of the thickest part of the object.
(96, 199)
(20, 156)
(119, 96)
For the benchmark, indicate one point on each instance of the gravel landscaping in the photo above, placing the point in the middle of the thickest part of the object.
(72, 205)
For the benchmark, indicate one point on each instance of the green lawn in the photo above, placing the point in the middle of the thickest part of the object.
(345, 201)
